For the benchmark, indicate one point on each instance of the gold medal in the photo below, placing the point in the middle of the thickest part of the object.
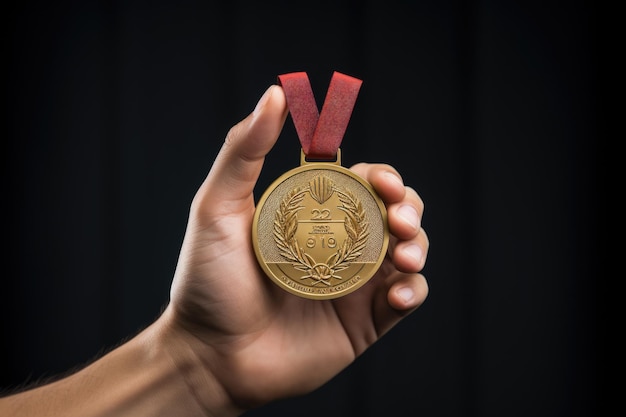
(320, 231)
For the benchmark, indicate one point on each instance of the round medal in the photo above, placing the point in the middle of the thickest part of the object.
(320, 231)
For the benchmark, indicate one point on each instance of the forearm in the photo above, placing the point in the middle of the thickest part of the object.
(147, 376)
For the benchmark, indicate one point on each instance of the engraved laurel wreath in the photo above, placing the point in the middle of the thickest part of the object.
(321, 188)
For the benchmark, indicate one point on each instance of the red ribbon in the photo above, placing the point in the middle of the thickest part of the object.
(320, 133)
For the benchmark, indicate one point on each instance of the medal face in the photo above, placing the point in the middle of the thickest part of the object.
(320, 231)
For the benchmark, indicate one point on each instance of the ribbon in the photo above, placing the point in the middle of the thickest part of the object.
(320, 133)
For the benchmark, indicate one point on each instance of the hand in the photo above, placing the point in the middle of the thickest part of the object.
(230, 339)
(251, 340)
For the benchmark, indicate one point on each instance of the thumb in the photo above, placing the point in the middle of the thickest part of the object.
(238, 164)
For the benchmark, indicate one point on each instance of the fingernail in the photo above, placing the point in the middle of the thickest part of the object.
(414, 251)
(405, 293)
(262, 100)
(409, 215)
(394, 177)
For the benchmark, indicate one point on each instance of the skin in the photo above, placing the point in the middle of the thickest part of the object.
(230, 339)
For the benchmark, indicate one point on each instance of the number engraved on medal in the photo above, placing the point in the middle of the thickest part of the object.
(320, 232)
(323, 258)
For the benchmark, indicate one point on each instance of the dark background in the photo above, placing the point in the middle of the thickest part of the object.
(116, 110)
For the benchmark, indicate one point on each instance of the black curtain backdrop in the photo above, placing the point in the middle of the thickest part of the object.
(116, 110)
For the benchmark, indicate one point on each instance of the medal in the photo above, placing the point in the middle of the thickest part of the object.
(320, 231)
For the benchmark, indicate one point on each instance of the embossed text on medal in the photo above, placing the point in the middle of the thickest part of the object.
(321, 232)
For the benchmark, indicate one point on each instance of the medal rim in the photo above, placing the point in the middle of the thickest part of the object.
(331, 166)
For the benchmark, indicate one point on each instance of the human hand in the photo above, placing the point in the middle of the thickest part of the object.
(250, 341)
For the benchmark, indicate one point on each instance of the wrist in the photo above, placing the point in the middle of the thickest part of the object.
(190, 362)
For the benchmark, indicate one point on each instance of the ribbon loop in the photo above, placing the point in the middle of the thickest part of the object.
(320, 133)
